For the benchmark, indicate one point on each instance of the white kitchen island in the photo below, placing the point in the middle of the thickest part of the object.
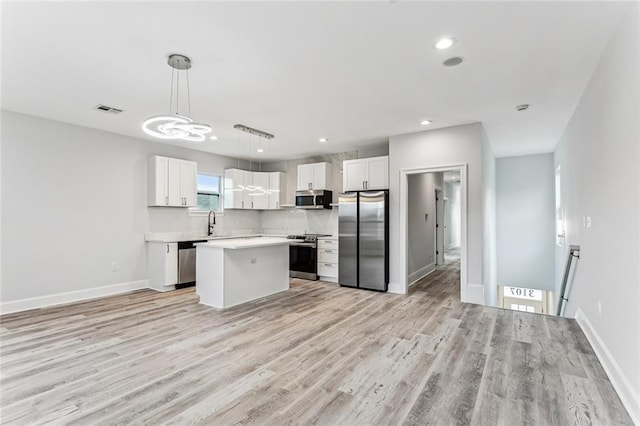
(234, 271)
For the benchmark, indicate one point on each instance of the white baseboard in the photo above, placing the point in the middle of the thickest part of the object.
(474, 294)
(421, 273)
(630, 398)
(396, 288)
(70, 296)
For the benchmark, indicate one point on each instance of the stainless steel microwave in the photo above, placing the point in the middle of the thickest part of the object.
(314, 199)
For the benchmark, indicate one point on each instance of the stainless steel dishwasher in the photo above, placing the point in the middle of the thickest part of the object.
(187, 261)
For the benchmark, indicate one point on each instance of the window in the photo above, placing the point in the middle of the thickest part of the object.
(208, 192)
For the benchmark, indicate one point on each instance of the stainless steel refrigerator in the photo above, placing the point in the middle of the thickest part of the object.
(363, 240)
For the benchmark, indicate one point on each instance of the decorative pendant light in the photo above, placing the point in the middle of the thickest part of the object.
(176, 125)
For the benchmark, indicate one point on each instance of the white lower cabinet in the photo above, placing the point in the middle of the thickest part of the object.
(328, 259)
(162, 265)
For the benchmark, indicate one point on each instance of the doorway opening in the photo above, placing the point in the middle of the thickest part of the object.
(526, 299)
(434, 222)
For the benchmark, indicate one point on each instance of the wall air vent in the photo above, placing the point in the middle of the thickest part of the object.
(109, 109)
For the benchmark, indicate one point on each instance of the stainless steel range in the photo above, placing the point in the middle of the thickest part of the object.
(303, 256)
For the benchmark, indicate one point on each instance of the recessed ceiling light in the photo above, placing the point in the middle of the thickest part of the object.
(323, 140)
(452, 62)
(260, 150)
(213, 138)
(425, 122)
(445, 43)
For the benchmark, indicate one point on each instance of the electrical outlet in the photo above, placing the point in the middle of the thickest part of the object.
(114, 267)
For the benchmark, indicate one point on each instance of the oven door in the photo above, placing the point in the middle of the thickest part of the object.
(302, 261)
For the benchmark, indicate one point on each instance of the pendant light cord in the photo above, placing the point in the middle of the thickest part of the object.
(178, 92)
(188, 93)
(171, 92)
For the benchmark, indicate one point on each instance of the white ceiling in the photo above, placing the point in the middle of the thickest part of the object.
(355, 73)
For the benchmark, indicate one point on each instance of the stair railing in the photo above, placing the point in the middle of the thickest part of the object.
(574, 251)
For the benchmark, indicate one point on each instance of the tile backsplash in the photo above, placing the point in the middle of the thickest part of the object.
(297, 221)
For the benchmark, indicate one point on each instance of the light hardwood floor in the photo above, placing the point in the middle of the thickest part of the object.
(318, 354)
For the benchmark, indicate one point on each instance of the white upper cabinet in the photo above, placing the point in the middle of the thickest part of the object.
(277, 189)
(313, 176)
(189, 183)
(365, 173)
(378, 173)
(253, 190)
(236, 194)
(172, 182)
(259, 191)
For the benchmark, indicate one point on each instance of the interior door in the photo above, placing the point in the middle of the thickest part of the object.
(439, 228)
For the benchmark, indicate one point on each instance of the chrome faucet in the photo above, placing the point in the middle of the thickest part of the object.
(212, 215)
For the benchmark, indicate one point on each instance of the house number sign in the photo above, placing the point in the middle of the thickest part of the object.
(523, 293)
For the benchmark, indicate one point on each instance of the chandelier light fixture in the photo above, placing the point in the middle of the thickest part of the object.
(175, 125)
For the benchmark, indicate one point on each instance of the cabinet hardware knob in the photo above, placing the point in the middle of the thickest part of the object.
(167, 248)
(328, 264)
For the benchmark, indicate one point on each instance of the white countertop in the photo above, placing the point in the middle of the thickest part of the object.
(242, 243)
(175, 237)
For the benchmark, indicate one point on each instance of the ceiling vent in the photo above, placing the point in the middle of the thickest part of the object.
(105, 108)
(452, 62)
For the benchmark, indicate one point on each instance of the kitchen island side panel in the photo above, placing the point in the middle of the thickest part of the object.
(253, 273)
(210, 276)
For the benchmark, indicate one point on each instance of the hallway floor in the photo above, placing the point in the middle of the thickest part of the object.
(317, 354)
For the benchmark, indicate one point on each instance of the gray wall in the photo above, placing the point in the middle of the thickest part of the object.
(526, 221)
(442, 147)
(598, 156)
(74, 201)
(452, 215)
(421, 237)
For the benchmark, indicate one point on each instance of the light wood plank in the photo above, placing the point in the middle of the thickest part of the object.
(317, 354)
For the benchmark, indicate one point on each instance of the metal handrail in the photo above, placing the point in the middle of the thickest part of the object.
(574, 251)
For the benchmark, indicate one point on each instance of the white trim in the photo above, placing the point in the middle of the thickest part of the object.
(403, 286)
(475, 294)
(70, 296)
(396, 288)
(416, 276)
(630, 398)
